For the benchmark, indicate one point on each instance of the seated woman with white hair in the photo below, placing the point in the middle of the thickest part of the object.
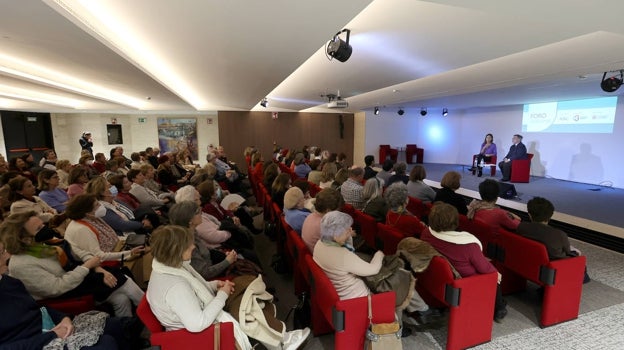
(335, 254)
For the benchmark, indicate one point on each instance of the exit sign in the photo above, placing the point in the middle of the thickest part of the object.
(142, 120)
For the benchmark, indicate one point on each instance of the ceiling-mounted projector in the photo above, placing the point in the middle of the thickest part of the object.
(338, 104)
(338, 48)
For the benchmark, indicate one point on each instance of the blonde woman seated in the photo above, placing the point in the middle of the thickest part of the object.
(334, 253)
(181, 299)
(47, 272)
(23, 199)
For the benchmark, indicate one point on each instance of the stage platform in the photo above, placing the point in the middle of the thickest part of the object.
(585, 206)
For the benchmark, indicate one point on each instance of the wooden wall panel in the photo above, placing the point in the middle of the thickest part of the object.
(238, 130)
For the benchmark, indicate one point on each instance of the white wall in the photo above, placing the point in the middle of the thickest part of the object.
(68, 128)
(436, 134)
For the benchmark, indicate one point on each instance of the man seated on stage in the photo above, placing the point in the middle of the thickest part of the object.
(516, 151)
(556, 241)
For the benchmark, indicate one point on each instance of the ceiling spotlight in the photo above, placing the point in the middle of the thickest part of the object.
(264, 103)
(376, 111)
(613, 83)
(400, 111)
(423, 111)
(444, 112)
(338, 48)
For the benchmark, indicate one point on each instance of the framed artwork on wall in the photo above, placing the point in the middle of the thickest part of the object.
(177, 135)
(115, 136)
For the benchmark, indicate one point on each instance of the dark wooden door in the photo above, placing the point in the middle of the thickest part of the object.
(26, 132)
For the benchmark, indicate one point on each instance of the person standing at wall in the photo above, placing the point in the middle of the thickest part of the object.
(86, 142)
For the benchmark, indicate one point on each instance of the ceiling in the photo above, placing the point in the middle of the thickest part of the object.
(193, 56)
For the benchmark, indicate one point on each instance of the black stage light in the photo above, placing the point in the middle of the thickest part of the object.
(444, 112)
(264, 102)
(338, 48)
(401, 111)
(423, 111)
(611, 84)
(376, 112)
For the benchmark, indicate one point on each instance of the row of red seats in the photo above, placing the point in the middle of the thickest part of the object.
(520, 259)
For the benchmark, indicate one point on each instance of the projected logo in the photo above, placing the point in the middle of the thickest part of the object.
(596, 115)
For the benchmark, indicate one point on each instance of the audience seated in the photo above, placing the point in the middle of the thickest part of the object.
(399, 174)
(63, 167)
(280, 185)
(78, 178)
(326, 200)
(50, 193)
(315, 176)
(462, 249)
(386, 171)
(21, 166)
(22, 320)
(123, 185)
(450, 184)
(270, 173)
(487, 211)
(329, 174)
(302, 169)
(294, 211)
(398, 216)
(417, 188)
(180, 298)
(369, 172)
(118, 217)
(48, 271)
(145, 196)
(374, 203)
(209, 263)
(335, 254)
(555, 240)
(166, 174)
(23, 199)
(351, 189)
(100, 163)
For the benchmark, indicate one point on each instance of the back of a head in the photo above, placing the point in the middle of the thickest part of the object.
(368, 160)
(169, 242)
(450, 180)
(418, 173)
(292, 197)
(540, 209)
(400, 168)
(186, 193)
(372, 188)
(396, 195)
(356, 172)
(182, 213)
(489, 190)
(327, 200)
(334, 224)
(388, 164)
(132, 174)
(443, 217)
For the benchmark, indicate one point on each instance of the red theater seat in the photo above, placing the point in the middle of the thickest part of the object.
(521, 169)
(347, 318)
(183, 339)
(524, 259)
(385, 151)
(470, 301)
(411, 151)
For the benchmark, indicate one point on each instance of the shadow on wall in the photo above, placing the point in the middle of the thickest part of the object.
(537, 167)
(585, 166)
